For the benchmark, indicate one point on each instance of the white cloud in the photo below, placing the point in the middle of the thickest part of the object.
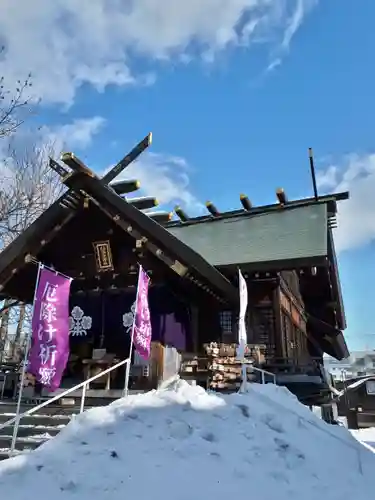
(165, 177)
(67, 43)
(356, 217)
(75, 135)
(48, 141)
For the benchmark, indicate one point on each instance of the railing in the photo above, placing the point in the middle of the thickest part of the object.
(3, 381)
(16, 420)
(263, 374)
(289, 366)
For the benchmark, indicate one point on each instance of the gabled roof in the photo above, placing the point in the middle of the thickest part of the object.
(126, 215)
(330, 200)
(284, 235)
(289, 234)
(166, 241)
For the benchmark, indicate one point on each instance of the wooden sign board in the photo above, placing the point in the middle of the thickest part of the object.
(103, 256)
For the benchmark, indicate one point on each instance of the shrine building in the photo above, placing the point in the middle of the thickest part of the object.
(98, 233)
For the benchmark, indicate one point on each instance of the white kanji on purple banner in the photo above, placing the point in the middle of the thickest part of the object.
(142, 333)
(50, 329)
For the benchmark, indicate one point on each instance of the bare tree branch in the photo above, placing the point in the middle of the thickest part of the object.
(15, 104)
(28, 186)
(13, 107)
(8, 305)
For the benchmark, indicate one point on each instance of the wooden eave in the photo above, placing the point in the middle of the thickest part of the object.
(335, 282)
(154, 232)
(12, 258)
(330, 339)
(330, 200)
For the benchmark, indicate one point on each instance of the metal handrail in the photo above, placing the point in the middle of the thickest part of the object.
(15, 420)
(263, 373)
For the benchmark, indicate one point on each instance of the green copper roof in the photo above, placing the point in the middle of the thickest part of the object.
(297, 233)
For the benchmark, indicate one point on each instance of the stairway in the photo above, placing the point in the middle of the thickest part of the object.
(36, 429)
(33, 430)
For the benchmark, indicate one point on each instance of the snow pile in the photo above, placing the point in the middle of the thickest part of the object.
(365, 436)
(182, 443)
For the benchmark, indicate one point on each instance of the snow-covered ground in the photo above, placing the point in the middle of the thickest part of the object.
(366, 436)
(181, 443)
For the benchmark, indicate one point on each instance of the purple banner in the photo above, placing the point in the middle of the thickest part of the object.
(49, 351)
(142, 323)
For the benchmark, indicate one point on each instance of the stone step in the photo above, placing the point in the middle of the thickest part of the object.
(45, 423)
(66, 415)
(48, 420)
(11, 407)
(32, 430)
(41, 419)
(24, 443)
(65, 404)
(5, 453)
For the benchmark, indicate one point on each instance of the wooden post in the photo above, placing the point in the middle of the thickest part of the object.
(352, 419)
(195, 327)
(279, 333)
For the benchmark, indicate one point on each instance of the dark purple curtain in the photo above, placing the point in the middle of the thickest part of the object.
(170, 319)
(82, 307)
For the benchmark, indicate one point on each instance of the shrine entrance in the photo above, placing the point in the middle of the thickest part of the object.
(98, 235)
(100, 332)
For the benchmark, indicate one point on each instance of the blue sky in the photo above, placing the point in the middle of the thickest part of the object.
(199, 77)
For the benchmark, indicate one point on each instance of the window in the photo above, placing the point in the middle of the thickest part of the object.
(226, 321)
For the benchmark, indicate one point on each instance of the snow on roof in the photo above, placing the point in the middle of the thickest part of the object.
(355, 385)
(182, 442)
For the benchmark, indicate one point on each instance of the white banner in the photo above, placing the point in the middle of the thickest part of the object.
(242, 336)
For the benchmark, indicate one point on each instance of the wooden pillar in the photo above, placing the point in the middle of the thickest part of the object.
(278, 330)
(194, 327)
(352, 419)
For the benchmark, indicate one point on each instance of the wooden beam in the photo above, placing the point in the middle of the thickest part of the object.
(143, 203)
(181, 214)
(59, 169)
(281, 196)
(129, 158)
(76, 164)
(161, 217)
(125, 187)
(246, 203)
(212, 209)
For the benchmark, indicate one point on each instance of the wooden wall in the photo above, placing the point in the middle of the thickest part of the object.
(293, 326)
(275, 318)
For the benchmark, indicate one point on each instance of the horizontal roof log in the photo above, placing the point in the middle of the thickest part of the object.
(246, 203)
(281, 196)
(126, 186)
(181, 214)
(160, 217)
(212, 209)
(144, 202)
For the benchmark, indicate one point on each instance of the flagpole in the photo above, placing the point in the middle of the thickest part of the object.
(127, 372)
(30, 259)
(25, 362)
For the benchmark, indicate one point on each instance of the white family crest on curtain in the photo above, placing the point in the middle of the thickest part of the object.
(79, 323)
(128, 318)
